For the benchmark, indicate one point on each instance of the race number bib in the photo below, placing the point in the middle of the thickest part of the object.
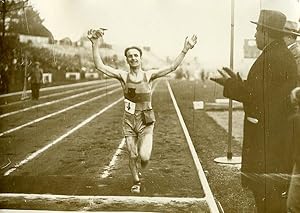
(129, 106)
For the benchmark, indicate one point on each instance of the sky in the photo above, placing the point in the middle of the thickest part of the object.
(164, 24)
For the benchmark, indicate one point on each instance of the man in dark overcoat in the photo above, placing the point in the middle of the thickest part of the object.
(36, 79)
(268, 129)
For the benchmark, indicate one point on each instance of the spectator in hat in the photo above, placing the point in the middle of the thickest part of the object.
(36, 79)
(268, 131)
(292, 31)
(293, 200)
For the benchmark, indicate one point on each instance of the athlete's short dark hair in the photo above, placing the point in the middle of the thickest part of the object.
(133, 47)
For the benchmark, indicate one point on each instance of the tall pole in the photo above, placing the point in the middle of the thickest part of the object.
(229, 152)
(24, 95)
(229, 159)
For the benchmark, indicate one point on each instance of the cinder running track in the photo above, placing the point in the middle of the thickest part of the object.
(66, 152)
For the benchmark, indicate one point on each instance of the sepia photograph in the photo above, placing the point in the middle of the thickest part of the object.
(150, 106)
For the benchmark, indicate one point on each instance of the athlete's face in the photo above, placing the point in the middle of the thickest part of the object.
(133, 58)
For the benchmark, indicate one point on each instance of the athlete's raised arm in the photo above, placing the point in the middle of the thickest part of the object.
(96, 37)
(189, 43)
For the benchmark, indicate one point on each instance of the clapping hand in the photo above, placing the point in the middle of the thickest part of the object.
(232, 74)
(226, 73)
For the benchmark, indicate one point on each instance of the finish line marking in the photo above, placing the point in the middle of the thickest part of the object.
(94, 203)
(126, 199)
(106, 199)
(47, 211)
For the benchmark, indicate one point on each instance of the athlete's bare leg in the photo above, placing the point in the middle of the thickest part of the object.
(133, 156)
(145, 148)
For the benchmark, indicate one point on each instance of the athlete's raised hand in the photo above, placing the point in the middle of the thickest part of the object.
(189, 43)
(93, 35)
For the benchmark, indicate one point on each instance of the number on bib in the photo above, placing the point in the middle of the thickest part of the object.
(129, 106)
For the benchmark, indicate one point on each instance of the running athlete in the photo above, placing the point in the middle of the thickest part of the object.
(138, 119)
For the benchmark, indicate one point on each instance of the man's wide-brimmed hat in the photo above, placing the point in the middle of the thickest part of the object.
(271, 19)
(292, 27)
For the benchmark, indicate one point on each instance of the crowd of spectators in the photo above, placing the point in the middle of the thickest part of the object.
(53, 59)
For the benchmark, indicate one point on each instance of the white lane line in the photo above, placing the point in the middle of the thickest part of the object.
(207, 191)
(59, 87)
(35, 154)
(75, 90)
(51, 95)
(111, 166)
(56, 113)
(56, 101)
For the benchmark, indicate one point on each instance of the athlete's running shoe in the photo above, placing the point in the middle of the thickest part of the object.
(136, 188)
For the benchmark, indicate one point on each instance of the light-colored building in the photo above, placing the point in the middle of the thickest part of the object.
(33, 39)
